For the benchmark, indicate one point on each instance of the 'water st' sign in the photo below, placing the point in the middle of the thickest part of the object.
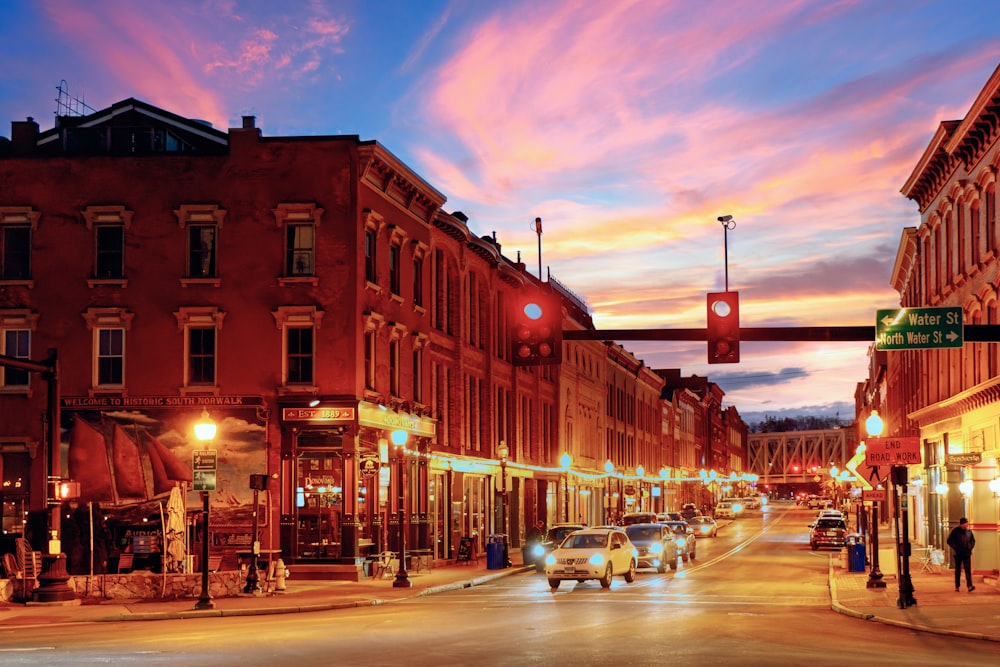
(914, 328)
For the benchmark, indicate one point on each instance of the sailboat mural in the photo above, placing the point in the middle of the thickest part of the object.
(121, 464)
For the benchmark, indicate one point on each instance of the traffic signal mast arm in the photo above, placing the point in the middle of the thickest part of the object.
(974, 333)
(835, 333)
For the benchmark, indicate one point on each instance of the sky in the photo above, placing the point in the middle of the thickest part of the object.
(628, 127)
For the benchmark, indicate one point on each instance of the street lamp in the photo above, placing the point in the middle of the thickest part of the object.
(640, 473)
(874, 427)
(502, 452)
(565, 460)
(402, 577)
(609, 468)
(663, 490)
(204, 431)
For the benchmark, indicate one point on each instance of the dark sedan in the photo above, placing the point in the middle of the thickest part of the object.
(534, 554)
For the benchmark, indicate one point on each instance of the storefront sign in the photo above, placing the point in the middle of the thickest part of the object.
(369, 464)
(318, 414)
(965, 459)
(102, 402)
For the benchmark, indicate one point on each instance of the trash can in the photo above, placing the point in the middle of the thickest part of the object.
(856, 554)
(494, 552)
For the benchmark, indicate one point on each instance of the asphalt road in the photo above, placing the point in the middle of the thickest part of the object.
(756, 595)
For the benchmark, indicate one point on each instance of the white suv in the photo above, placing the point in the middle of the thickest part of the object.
(725, 510)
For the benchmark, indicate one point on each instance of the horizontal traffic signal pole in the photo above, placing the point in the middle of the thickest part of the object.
(974, 333)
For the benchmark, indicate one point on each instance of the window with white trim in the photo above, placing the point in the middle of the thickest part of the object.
(300, 222)
(201, 224)
(16, 226)
(200, 326)
(298, 325)
(16, 326)
(109, 326)
(397, 332)
(372, 323)
(109, 224)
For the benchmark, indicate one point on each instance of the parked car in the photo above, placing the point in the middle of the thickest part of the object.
(554, 536)
(689, 511)
(725, 510)
(669, 516)
(594, 553)
(638, 517)
(655, 544)
(703, 526)
(684, 537)
(828, 532)
(752, 502)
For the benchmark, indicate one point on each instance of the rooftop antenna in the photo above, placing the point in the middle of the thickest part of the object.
(68, 105)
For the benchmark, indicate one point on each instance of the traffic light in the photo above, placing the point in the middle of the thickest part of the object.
(536, 328)
(723, 327)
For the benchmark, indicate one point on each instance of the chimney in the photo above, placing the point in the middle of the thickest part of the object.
(24, 136)
(249, 122)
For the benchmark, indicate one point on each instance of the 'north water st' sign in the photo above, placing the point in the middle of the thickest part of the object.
(914, 328)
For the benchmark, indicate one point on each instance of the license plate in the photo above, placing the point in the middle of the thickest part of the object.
(569, 570)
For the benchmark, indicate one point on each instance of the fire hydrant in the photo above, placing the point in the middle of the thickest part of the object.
(279, 576)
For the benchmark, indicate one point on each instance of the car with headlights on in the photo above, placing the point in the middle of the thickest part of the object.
(593, 553)
(655, 544)
(725, 510)
(703, 526)
(684, 538)
(537, 551)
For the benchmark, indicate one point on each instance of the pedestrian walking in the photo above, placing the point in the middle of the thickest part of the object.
(962, 542)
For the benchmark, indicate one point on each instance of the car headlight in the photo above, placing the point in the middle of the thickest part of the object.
(656, 548)
(705, 529)
(596, 559)
(538, 551)
(550, 560)
(680, 541)
(737, 508)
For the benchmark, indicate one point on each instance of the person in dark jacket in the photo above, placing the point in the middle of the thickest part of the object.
(962, 542)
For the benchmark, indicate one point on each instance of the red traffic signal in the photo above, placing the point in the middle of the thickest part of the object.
(723, 327)
(536, 329)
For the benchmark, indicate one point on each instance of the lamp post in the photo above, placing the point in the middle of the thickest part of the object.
(204, 431)
(402, 579)
(609, 468)
(565, 460)
(874, 427)
(502, 452)
(640, 472)
(663, 490)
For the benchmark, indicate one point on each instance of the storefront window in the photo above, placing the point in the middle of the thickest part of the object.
(474, 517)
(319, 502)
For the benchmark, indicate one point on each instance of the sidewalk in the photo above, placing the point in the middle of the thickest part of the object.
(939, 608)
(299, 596)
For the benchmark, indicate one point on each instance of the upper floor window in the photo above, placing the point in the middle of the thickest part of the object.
(300, 222)
(201, 224)
(394, 281)
(109, 224)
(16, 326)
(418, 281)
(370, 274)
(200, 325)
(16, 225)
(109, 326)
(298, 325)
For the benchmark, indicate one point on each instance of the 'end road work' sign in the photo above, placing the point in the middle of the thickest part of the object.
(913, 328)
(891, 451)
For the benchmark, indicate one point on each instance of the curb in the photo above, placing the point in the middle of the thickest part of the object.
(301, 609)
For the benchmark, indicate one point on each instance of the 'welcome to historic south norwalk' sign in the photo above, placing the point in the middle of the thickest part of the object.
(892, 451)
(914, 328)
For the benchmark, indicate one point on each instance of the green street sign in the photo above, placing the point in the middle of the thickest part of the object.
(914, 328)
